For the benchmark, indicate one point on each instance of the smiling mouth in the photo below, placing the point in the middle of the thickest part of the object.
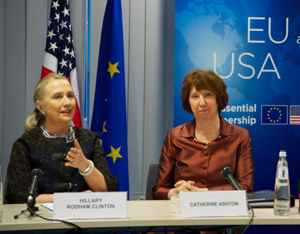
(66, 112)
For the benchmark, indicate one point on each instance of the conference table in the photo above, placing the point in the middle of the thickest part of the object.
(142, 216)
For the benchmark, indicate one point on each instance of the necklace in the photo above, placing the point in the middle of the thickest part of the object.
(69, 135)
(205, 144)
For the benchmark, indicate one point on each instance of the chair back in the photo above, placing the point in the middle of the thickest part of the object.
(151, 180)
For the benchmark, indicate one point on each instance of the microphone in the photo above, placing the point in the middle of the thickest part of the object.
(299, 195)
(36, 175)
(227, 174)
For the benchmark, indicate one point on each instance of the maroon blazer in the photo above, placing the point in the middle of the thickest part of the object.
(184, 159)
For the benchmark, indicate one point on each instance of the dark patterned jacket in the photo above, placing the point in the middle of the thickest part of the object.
(34, 150)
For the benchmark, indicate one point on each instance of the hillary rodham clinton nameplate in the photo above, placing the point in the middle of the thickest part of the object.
(90, 205)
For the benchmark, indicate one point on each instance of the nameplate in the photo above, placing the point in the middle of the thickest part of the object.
(96, 205)
(212, 203)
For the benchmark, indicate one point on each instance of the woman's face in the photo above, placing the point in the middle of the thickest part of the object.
(59, 103)
(203, 104)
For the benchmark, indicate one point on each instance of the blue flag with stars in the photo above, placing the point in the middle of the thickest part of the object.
(274, 114)
(109, 114)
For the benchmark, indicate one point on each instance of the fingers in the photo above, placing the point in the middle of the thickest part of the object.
(74, 155)
(74, 152)
(77, 146)
(189, 187)
(191, 182)
(172, 192)
(184, 183)
(178, 183)
(72, 161)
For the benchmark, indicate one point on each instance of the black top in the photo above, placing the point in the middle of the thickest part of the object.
(34, 150)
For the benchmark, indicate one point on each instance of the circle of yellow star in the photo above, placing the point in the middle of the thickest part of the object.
(115, 153)
(112, 68)
(104, 129)
(278, 111)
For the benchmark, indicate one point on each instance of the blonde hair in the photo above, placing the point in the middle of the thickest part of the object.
(36, 118)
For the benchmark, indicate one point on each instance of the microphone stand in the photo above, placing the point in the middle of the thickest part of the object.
(31, 208)
(227, 174)
(31, 205)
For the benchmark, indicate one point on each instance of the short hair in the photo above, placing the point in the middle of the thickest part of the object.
(204, 79)
(36, 118)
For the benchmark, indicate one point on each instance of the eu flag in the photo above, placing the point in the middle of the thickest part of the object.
(109, 114)
(274, 114)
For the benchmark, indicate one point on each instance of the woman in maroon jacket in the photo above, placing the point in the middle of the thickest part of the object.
(193, 154)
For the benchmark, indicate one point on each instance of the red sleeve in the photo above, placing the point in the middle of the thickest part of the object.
(165, 177)
(244, 171)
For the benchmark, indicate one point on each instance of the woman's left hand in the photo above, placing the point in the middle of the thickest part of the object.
(188, 186)
(183, 185)
(76, 157)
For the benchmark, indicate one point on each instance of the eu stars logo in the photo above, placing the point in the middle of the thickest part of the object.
(274, 114)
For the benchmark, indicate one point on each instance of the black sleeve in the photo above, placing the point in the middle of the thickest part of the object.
(101, 164)
(18, 173)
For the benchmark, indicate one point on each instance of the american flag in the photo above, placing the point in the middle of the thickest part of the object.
(295, 114)
(59, 52)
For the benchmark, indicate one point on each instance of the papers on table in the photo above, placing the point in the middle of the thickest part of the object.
(49, 206)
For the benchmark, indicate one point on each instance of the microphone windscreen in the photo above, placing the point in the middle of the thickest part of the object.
(226, 171)
(37, 172)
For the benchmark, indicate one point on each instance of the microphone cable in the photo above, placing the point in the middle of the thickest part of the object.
(251, 220)
(79, 229)
(17, 215)
(149, 230)
(227, 174)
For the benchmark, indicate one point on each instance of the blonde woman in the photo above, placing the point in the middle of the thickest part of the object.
(71, 158)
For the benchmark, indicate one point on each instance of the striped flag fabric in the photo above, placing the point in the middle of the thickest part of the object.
(294, 114)
(59, 52)
(109, 115)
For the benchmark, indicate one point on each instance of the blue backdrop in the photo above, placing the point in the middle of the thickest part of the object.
(254, 46)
